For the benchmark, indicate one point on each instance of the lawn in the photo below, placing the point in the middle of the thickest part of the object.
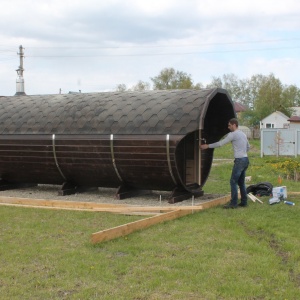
(248, 253)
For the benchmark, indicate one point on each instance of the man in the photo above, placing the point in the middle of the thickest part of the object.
(240, 146)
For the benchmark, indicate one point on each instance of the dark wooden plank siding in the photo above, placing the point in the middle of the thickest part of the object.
(26, 159)
(139, 161)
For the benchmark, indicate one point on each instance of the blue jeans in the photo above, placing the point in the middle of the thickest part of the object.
(238, 179)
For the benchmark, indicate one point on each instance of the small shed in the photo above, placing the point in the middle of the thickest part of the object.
(129, 140)
(275, 120)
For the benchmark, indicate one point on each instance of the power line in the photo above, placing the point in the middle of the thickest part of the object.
(161, 54)
(169, 45)
(157, 46)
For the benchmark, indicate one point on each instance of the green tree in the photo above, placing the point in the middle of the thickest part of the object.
(121, 87)
(234, 86)
(198, 86)
(169, 79)
(253, 87)
(270, 98)
(141, 86)
(250, 118)
(216, 82)
(291, 95)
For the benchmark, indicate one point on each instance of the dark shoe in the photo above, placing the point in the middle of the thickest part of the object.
(243, 204)
(227, 206)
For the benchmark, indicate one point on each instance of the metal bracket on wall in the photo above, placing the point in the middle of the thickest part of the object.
(55, 157)
(168, 157)
(113, 157)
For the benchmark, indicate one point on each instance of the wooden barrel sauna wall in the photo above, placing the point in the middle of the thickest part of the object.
(132, 140)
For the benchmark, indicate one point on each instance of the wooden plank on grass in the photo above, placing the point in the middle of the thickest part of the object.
(47, 207)
(115, 232)
(154, 209)
(58, 203)
(216, 202)
(294, 193)
(91, 206)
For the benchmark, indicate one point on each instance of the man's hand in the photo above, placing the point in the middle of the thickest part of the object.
(204, 146)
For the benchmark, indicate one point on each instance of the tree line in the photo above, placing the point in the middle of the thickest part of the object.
(261, 94)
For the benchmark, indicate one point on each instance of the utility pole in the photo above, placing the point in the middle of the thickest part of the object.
(20, 79)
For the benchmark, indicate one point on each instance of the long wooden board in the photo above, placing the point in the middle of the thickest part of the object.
(58, 203)
(91, 206)
(126, 229)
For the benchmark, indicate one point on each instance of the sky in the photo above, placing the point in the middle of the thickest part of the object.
(95, 45)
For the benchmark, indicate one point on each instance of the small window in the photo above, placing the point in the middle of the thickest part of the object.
(269, 125)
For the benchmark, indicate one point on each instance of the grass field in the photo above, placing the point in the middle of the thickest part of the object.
(248, 253)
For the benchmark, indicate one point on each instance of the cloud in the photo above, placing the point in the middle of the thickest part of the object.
(95, 45)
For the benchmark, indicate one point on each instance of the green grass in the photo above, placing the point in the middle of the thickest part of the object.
(248, 253)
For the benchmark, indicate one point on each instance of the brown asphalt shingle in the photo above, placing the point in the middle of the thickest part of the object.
(149, 112)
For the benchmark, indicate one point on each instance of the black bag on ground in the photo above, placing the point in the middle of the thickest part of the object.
(260, 189)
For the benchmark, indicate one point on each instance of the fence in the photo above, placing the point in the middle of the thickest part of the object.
(280, 142)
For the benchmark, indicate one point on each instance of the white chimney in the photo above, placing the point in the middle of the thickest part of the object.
(20, 80)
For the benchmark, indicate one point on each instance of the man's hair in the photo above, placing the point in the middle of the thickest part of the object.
(234, 121)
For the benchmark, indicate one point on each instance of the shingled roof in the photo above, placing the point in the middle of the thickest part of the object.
(148, 112)
(238, 107)
(294, 119)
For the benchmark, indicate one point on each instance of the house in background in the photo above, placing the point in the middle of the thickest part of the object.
(294, 122)
(275, 120)
(295, 118)
(239, 108)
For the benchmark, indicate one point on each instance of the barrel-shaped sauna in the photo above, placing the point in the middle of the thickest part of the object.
(132, 140)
